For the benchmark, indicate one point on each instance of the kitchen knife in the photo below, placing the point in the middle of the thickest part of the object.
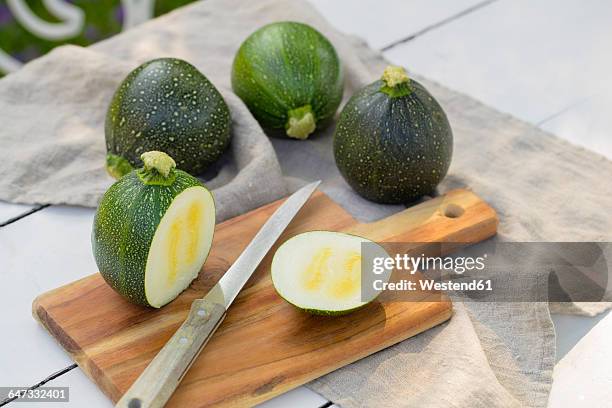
(158, 381)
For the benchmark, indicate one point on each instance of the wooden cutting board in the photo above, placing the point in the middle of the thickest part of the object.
(265, 346)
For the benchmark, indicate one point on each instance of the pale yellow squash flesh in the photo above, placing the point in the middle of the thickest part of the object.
(321, 271)
(180, 246)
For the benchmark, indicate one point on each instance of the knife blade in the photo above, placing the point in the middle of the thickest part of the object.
(154, 387)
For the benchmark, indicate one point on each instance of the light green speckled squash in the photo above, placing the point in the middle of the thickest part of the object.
(393, 142)
(320, 272)
(289, 76)
(152, 231)
(167, 105)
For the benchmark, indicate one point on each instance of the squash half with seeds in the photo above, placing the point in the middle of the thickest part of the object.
(393, 142)
(320, 272)
(152, 231)
(168, 105)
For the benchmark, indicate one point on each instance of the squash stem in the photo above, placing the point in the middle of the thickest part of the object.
(117, 166)
(158, 169)
(396, 82)
(301, 123)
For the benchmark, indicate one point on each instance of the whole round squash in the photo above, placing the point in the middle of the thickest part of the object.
(289, 76)
(393, 142)
(167, 105)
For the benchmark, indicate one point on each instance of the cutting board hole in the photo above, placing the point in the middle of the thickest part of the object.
(135, 403)
(453, 211)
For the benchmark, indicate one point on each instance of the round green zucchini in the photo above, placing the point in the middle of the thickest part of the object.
(152, 231)
(289, 76)
(168, 105)
(393, 142)
(320, 272)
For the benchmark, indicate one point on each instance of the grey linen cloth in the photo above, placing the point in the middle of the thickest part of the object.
(502, 355)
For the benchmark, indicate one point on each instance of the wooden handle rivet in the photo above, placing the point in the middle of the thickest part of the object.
(453, 211)
(183, 340)
(134, 403)
(201, 312)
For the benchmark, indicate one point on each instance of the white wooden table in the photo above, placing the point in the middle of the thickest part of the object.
(546, 62)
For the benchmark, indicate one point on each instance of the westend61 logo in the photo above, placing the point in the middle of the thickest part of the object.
(492, 271)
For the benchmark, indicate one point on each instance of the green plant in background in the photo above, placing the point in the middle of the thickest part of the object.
(31, 28)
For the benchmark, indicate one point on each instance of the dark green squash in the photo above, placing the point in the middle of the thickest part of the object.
(289, 76)
(168, 105)
(393, 142)
(152, 231)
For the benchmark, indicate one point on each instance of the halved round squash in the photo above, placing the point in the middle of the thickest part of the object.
(153, 231)
(320, 272)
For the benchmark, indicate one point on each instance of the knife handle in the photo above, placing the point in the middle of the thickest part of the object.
(158, 381)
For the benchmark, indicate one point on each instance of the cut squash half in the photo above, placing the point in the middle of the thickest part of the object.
(153, 231)
(321, 272)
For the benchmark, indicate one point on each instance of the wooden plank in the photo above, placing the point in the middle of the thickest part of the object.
(10, 211)
(265, 346)
(37, 253)
(82, 392)
(544, 61)
(383, 22)
(570, 329)
(583, 377)
(300, 397)
(586, 122)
